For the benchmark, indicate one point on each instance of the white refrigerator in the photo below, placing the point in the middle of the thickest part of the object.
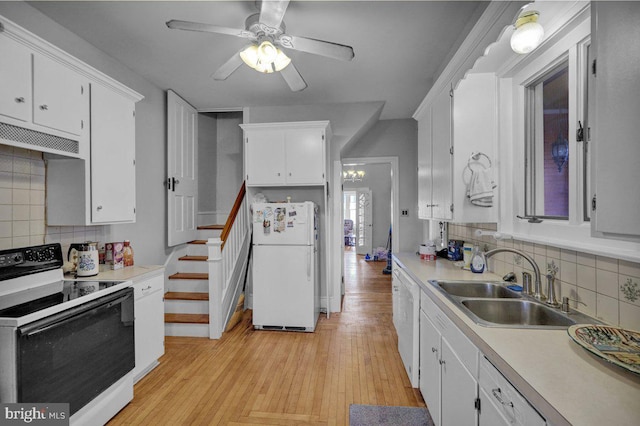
(286, 285)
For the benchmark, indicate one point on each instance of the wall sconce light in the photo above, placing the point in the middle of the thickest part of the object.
(265, 58)
(353, 175)
(528, 33)
(560, 152)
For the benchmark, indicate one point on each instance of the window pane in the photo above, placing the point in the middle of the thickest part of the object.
(556, 145)
(547, 171)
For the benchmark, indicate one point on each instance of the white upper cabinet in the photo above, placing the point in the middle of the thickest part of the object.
(283, 154)
(59, 98)
(615, 148)
(457, 125)
(113, 172)
(15, 67)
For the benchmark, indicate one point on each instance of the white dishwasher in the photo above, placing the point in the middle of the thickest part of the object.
(406, 320)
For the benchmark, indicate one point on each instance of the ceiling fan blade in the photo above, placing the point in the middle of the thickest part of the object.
(272, 12)
(317, 47)
(175, 24)
(293, 78)
(228, 67)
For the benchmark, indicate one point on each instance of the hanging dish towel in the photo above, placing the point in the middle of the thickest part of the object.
(480, 189)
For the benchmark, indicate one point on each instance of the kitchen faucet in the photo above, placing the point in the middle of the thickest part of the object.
(536, 270)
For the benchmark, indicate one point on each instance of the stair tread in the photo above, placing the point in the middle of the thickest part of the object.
(194, 258)
(187, 318)
(182, 295)
(198, 242)
(189, 276)
(213, 227)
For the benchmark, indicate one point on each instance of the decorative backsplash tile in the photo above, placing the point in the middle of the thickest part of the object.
(22, 204)
(600, 286)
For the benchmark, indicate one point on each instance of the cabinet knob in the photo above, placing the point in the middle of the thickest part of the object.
(99, 208)
(44, 107)
(434, 350)
(442, 362)
(289, 173)
(278, 174)
(20, 100)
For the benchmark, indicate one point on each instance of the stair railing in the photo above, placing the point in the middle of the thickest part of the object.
(227, 257)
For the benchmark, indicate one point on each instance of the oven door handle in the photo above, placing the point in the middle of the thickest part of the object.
(69, 315)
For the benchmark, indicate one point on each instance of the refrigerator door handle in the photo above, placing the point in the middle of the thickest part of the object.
(309, 251)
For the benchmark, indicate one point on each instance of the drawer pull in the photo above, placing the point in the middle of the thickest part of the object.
(497, 393)
(146, 288)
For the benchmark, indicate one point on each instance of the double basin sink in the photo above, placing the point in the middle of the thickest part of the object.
(492, 304)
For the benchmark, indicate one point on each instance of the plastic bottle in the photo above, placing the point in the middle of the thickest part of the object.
(477, 261)
(128, 253)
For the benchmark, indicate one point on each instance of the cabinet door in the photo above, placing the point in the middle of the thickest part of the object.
(490, 414)
(113, 177)
(441, 156)
(304, 154)
(459, 390)
(614, 144)
(395, 295)
(430, 366)
(15, 67)
(424, 167)
(265, 157)
(59, 96)
(149, 324)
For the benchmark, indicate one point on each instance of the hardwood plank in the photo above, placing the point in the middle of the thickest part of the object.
(286, 378)
(211, 227)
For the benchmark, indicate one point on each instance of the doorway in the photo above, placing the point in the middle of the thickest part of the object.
(358, 220)
(381, 178)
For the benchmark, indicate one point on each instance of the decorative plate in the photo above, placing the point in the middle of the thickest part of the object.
(614, 344)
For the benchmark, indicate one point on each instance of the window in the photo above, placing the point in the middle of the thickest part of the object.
(547, 145)
(554, 99)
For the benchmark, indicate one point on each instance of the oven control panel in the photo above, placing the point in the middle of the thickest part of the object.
(18, 262)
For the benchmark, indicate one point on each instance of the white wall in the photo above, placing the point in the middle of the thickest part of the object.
(229, 175)
(148, 235)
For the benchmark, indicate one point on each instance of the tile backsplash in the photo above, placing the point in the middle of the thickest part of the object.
(22, 204)
(599, 286)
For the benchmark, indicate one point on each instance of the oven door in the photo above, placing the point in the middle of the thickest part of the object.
(73, 356)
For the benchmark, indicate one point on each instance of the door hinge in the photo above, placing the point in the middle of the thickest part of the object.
(134, 210)
(327, 191)
(451, 150)
(593, 67)
(134, 162)
(81, 89)
(134, 113)
(81, 124)
(451, 92)
(477, 404)
(451, 208)
(593, 203)
(323, 137)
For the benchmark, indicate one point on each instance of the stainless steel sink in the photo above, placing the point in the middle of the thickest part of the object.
(492, 304)
(519, 313)
(477, 289)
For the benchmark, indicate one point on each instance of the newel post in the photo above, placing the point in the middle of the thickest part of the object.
(214, 248)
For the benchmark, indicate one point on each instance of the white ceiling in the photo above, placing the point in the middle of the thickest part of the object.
(400, 47)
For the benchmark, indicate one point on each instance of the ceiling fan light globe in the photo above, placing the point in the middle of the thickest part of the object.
(267, 52)
(250, 56)
(281, 61)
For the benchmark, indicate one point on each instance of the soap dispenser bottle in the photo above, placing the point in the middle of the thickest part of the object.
(477, 261)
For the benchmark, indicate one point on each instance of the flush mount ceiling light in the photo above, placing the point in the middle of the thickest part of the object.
(528, 33)
(265, 57)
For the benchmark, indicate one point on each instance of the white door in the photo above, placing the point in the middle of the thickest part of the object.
(364, 221)
(430, 366)
(459, 390)
(441, 183)
(15, 98)
(304, 151)
(264, 157)
(182, 169)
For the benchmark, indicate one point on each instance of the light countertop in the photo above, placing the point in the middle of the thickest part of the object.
(129, 273)
(563, 381)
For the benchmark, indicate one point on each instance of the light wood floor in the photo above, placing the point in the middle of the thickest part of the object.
(283, 378)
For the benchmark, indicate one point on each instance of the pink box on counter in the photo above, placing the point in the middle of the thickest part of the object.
(114, 255)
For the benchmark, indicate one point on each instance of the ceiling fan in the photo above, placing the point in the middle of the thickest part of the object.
(266, 32)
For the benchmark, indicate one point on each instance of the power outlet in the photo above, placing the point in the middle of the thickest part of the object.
(404, 213)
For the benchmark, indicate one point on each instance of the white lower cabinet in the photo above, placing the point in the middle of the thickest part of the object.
(149, 324)
(501, 403)
(458, 384)
(448, 368)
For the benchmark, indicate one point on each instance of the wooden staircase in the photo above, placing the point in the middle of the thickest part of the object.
(186, 302)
